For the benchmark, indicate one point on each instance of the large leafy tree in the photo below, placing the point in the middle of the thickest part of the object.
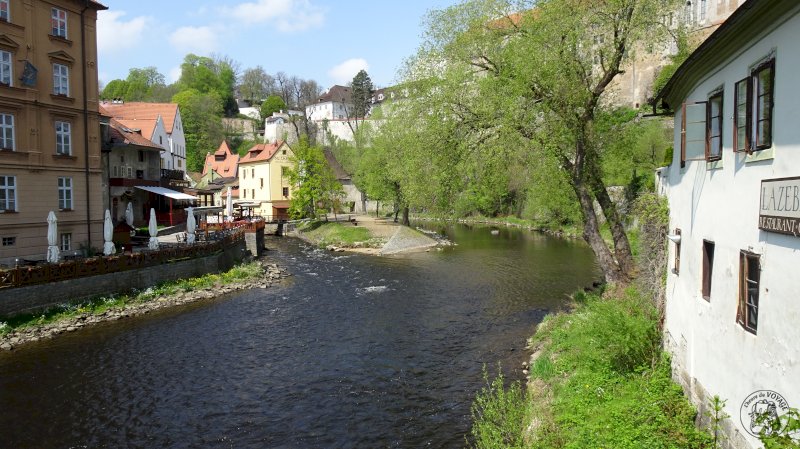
(522, 94)
(140, 85)
(315, 185)
(256, 84)
(207, 76)
(201, 114)
(272, 104)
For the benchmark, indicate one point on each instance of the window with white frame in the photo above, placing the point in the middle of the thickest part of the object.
(60, 79)
(65, 193)
(6, 131)
(58, 19)
(5, 11)
(66, 241)
(5, 68)
(8, 193)
(63, 138)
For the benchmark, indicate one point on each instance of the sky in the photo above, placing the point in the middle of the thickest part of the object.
(325, 40)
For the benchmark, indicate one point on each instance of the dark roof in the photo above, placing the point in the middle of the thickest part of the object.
(744, 25)
(337, 93)
(121, 136)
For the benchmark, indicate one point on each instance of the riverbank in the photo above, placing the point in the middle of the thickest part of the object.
(568, 232)
(597, 378)
(28, 328)
(365, 235)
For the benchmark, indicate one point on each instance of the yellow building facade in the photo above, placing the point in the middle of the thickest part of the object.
(263, 179)
(49, 127)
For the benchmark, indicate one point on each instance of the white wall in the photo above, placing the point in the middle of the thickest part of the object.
(721, 204)
(178, 144)
(160, 137)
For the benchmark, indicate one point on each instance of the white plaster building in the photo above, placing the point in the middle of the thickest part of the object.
(733, 302)
(335, 104)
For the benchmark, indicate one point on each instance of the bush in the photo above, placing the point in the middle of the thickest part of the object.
(500, 415)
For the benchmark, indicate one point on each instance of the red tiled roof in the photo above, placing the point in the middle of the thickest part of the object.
(222, 161)
(121, 134)
(145, 127)
(144, 111)
(262, 152)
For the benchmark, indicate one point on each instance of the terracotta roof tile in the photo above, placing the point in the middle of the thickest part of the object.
(223, 161)
(262, 152)
(122, 135)
(144, 111)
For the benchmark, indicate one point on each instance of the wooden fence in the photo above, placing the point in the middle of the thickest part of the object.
(42, 274)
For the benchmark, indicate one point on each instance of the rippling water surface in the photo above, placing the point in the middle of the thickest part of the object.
(352, 351)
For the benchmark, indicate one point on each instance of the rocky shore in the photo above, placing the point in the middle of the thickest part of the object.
(272, 274)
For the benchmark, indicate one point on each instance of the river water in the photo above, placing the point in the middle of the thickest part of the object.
(352, 351)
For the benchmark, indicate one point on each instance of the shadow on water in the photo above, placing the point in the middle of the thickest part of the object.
(353, 351)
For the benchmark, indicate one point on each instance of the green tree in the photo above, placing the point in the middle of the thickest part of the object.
(255, 85)
(207, 76)
(138, 86)
(201, 114)
(315, 185)
(273, 103)
(361, 90)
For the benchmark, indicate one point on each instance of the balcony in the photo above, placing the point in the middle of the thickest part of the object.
(173, 175)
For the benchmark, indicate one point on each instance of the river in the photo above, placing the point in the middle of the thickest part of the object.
(351, 352)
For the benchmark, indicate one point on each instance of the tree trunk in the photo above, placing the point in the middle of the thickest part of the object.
(622, 248)
(406, 221)
(591, 233)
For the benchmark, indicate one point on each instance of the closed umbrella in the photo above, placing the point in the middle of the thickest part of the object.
(108, 234)
(129, 214)
(153, 228)
(229, 205)
(53, 255)
(190, 225)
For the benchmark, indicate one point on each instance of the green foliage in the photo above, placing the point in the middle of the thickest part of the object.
(361, 90)
(684, 50)
(781, 432)
(337, 234)
(610, 383)
(140, 85)
(500, 415)
(211, 77)
(98, 305)
(273, 103)
(716, 414)
(201, 114)
(315, 185)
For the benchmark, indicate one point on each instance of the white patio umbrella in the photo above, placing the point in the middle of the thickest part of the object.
(129, 214)
(108, 235)
(229, 205)
(53, 255)
(190, 225)
(153, 228)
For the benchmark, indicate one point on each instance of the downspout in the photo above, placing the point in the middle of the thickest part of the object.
(86, 125)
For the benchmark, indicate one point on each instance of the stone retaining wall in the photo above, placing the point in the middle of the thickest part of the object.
(40, 297)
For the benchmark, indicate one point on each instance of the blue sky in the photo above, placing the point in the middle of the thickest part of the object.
(325, 40)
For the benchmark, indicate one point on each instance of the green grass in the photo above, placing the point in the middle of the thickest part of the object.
(337, 234)
(602, 382)
(98, 305)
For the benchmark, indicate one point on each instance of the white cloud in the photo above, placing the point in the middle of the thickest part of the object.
(115, 34)
(344, 72)
(286, 15)
(202, 40)
(174, 74)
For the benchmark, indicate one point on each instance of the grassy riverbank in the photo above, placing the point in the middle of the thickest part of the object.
(100, 305)
(346, 235)
(598, 379)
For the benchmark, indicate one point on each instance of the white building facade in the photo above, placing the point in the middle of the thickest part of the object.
(732, 317)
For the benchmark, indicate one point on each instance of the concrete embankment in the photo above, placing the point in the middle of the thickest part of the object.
(269, 275)
(405, 240)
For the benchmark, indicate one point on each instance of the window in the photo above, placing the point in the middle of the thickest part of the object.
(63, 138)
(5, 68)
(7, 131)
(752, 117)
(9, 241)
(253, 193)
(58, 20)
(66, 241)
(702, 10)
(60, 80)
(714, 127)
(285, 191)
(284, 171)
(65, 193)
(252, 172)
(677, 268)
(244, 193)
(693, 131)
(749, 280)
(4, 11)
(8, 193)
(262, 183)
(708, 267)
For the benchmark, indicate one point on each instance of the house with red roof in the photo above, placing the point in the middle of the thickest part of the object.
(263, 181)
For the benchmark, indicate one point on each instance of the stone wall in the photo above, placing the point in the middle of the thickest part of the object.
(254, 242)
(40, 297)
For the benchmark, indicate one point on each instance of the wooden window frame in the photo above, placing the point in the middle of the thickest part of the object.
(58, 25)
(709, 128)
(708, 268)
(683, 129)
(747, 85)
(65, 237)
(769, 100)
(746, 279)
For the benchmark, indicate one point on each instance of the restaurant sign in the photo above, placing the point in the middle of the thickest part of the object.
(780, 206)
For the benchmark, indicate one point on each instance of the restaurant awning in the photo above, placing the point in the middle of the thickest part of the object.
(168, 193)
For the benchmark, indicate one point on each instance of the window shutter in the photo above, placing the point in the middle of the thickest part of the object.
(740, 309)
(693, 131)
